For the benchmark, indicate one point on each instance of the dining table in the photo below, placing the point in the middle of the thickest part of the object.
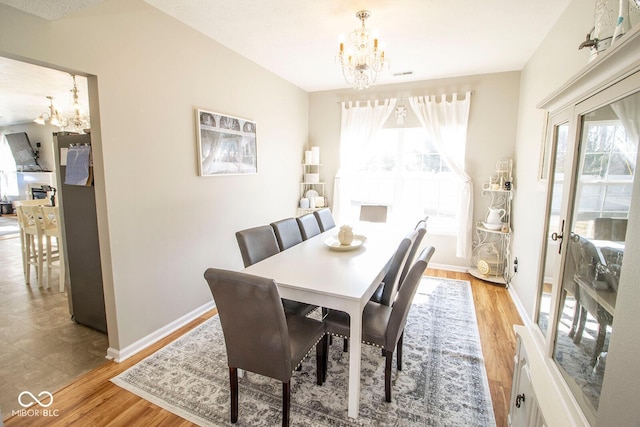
(321, 272)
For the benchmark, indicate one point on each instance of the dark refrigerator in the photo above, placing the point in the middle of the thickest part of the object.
(80, 235)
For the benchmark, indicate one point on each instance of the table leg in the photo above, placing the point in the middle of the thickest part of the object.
(355, 352)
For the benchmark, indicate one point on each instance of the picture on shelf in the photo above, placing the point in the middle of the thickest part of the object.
(226, 145)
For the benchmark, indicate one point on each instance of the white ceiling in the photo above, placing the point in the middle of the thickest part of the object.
(298, 39)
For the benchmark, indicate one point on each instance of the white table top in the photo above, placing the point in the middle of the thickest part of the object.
(311, 272)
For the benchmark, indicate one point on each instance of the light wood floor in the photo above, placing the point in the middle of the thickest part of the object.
(93, 400)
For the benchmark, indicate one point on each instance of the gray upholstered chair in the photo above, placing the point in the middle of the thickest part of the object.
(309, 226)
(325, 219)
(287, 233)
(258, 243)
(373, 213)
(421, 228)
(383, 326)
(387, 290)
(259, 337)
(584, 261)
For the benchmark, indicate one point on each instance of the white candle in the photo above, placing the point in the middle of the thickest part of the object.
(315, 155)
(308, 157)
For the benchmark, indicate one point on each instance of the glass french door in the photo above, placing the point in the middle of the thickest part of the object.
(558, 129)
(597, 183)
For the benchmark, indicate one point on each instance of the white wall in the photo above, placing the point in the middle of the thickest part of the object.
(556, 60)
(160, 224)
(491, 133)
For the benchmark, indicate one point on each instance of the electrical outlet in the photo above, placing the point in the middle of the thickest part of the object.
(515, 265)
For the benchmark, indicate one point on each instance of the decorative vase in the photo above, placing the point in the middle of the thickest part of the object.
(345, 235)
(623, 23)
(495, 216)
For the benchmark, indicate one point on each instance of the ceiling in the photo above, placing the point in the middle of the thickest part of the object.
(298, 39)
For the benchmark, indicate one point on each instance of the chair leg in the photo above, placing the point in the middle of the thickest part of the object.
(321, 349)
(40, 261)
(602, 333)
(286, 403)
(48, 260)
(583, 319)
(325, 356)
(233, 377)
(399, 352)
(387, 375)
(27, 257)
(62, 270)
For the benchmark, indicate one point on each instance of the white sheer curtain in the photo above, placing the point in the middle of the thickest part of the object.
(8, 176)
(628, 111)
(446, 125)
(360, 122)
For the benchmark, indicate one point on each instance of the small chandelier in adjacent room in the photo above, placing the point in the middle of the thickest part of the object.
(79, 121)
(362, 66)
(53, 116)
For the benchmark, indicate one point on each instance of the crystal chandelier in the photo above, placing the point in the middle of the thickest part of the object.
(76, 122)
(362, 66)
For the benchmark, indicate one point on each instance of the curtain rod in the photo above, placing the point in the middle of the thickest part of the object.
(401, 98)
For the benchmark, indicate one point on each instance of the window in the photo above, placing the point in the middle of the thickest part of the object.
(402, 170)
(606, 179)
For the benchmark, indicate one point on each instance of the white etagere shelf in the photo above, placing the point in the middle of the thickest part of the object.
(491, 247)
(312, 190)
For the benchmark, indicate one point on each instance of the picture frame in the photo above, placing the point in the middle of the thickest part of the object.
(227, 145)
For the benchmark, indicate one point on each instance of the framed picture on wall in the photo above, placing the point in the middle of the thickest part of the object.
(226, 145)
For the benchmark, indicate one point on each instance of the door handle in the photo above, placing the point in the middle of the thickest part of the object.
(558, 237)
(519, 400)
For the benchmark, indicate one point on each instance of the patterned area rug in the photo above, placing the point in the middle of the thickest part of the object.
(443, 381)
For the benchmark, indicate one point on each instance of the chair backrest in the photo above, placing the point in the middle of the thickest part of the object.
(325, 219)
(422, 223)
(402, 304)
(614, 229)
(287, 233)
(253, 322)
(29, 218)
(308, 226)
(50, 216)
(256, 244)
(30, 202)
(421, 228)
(392, 278)
(373, 213)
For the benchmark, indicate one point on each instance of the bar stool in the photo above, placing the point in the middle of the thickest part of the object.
(50, 215)
(31, 237)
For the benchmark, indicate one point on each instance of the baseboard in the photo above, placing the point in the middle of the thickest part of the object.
(457, 268)
(130, 350)
(521, 311)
